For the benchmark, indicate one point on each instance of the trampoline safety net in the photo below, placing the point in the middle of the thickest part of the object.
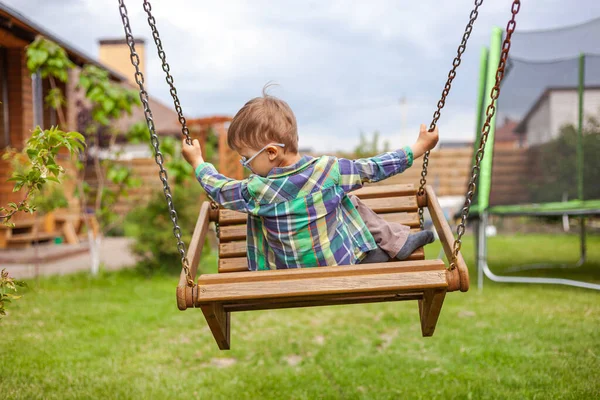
(543, 152)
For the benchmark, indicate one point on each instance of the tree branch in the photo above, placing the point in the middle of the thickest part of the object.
(21, 204)
(61, 116)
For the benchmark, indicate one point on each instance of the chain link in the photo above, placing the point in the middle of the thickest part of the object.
(451, 75)
(485, 130)
(215, 207)
(158, 157)
(165, 66)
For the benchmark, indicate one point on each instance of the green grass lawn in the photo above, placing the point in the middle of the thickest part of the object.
(121, 336)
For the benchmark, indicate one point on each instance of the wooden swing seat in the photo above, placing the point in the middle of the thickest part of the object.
(237, 289)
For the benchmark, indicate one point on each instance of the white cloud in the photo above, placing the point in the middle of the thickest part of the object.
(341, 65)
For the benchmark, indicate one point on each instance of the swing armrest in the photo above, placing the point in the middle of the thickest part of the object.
(446, 237)
(194, 252)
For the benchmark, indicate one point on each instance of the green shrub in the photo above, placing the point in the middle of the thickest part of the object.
(8, 288)
(151, 226)
(555, 165)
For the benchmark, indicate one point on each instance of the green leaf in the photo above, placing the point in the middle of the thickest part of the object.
(108, 104)
(76, 135)
(95, 93)
(35, 58)
(32, 153)
(84, 82)
(62, 75)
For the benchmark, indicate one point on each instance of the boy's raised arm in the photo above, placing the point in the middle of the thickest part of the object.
(354, 173)
(425, 142)
(229, 193)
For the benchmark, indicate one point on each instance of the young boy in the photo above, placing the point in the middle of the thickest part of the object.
(299, 213)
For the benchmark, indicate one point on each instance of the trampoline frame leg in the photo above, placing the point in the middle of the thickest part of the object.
(483, 268)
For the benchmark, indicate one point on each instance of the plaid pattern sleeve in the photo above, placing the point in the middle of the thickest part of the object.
(355, 173)
(229, 193)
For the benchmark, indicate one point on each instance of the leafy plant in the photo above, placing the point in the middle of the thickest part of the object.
(554, 165)
(109, 100)
(151, 227)
(50, 198)
(37, 167)
(52, 62)
(8, 288)
(368, 147)
(39, 160)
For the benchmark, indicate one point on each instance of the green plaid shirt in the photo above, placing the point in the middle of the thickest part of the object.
(299, 216)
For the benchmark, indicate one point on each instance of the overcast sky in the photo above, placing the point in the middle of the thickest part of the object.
(341, 65)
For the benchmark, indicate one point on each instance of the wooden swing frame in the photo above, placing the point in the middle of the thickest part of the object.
(428, 281)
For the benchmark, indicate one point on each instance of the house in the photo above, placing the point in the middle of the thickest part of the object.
(555, 108)
(22, 95)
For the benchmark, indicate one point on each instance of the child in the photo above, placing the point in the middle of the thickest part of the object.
(299, 214)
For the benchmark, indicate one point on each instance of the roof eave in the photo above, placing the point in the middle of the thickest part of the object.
(32, 30)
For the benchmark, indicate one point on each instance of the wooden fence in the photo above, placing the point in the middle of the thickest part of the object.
(448, 172)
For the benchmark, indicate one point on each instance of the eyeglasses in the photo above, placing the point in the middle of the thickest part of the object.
(246, 162)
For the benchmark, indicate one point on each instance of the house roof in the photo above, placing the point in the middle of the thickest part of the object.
(214, 119)
(522, 127)
(166, 119)
(20, 26)
(506, 132)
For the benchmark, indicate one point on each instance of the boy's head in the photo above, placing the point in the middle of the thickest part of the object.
(263, 125)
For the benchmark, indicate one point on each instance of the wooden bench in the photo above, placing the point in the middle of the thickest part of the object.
(24, 234)
(237, 289)
(72, 227)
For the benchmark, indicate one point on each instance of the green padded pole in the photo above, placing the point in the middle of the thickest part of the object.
(485, 177)
(580, 128)
(483, 64)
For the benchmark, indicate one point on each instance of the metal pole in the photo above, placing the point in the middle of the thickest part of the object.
(580, 194)
(481, 90)
(485, 177)
(403, 116)
(481, 238)
(38, 99)
(582, 241)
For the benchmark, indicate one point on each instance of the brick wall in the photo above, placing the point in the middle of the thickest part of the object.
(20, 95)
(20, 108)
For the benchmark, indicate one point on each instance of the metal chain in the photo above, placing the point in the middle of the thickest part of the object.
(158, 157)
(169, 78)
(165, 66)
(489, 114)
(215, 206)
(451, 75)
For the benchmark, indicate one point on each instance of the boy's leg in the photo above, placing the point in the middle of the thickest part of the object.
(375, 256)
(389, 237)
(394, 239)
(413, 242)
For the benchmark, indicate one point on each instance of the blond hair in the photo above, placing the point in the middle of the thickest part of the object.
(261, 121)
